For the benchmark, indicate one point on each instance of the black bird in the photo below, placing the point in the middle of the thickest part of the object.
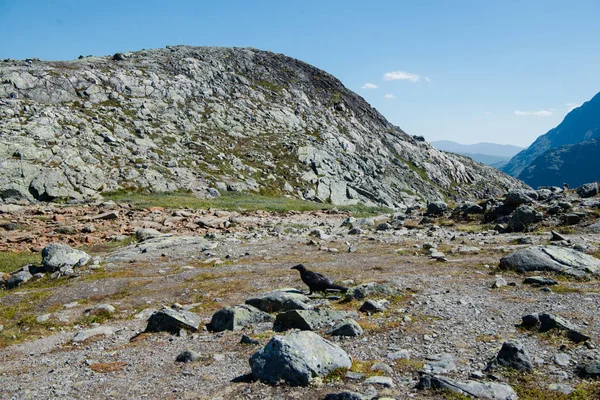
(315, 281)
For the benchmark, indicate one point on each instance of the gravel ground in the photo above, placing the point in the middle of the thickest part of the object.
(445, 308)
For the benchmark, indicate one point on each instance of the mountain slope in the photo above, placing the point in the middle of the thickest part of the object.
(574, 164)
(582, 123)
(212, 119)
(484, 148)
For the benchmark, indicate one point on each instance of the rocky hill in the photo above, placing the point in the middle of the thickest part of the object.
(581, 124)
(211, 120)
(574, 164)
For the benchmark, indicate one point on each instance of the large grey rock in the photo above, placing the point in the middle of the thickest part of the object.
(172, 321)
(60, 256)
(237, 317)
(552, 258)
(512, 355)
(522, 218)
(545, 322)
(440, 364)
(587, 190)
(310, 319)
(297, 359)
(479, 390)
(595, 227)
(539, 281)
(436, 208)
(372, 289)
(280, 300)
(520, 196)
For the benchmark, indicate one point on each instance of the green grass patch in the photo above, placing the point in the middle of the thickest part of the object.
(11, 261)
(234, 201)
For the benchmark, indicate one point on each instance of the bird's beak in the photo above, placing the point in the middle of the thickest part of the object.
(296, 266)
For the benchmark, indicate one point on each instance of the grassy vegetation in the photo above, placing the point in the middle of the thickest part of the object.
(532, 386)
(11, 261)
(234, 202)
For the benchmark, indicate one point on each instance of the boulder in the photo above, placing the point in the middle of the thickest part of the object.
(297, 359)
(372, 289)
(520, 196)
(188, 356)
(280, 300)
(545, 322)
(347, 327)
(146, 233)
(522, 218)
(552, 258)
(237, 317)
(309, 319)
(436, 208)
(587, 190)
(172, 321)
(61, 257)
(511, 355)
(374, 306)
(480, 390)
(595, 227)
(469, 208)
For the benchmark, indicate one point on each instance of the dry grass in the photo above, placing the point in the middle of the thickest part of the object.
(108, 367)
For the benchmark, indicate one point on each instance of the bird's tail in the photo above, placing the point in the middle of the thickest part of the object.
(338, 287)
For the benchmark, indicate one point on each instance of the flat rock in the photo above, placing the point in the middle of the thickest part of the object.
(384, 381)
(146, 233)
(539, 281)
(345, 396)
(18, 278)
(297, 359)
(89, 333)
(589, 370)
(310, 319)
(280, 300)
(479, 390)
(372, 289)
(237, 317)
(552, 258)
(374, 306)
(172, 321)
(441, 364)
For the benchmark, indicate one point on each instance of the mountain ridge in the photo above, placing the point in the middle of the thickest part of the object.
(209, 120)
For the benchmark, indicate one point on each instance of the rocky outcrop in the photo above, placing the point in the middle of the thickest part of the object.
(209, 120)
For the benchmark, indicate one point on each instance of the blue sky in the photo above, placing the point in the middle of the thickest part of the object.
(470, 71)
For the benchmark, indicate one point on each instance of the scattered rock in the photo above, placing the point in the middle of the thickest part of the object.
(61, 257)
(512, 355)
(237, 317)
(248, 340)
(146, 233)
(188, 356)
(522, 218)
(89, 333)
(19, 277)
(587, 190)
(539, 281)
(436, 208)
(280, 300)
(347, 327)
(556, 237)
(441, 364)
(345, 396)
(499, 282)
(172, 321)
(384, 381)
(372, 289)
(589, 370)
(483, 390)
(562, 359)
(374, 306)
(309, 319)
(297, 359)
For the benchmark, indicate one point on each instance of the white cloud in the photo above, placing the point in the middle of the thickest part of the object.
(427, 79)
(369, 86)
(541, 113)
(488, 113)
(389, 96)
(401, 76)
(573, 106)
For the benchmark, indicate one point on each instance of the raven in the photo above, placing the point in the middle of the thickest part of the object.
(315, 281)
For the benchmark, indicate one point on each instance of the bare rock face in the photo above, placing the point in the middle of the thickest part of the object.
(191, 117)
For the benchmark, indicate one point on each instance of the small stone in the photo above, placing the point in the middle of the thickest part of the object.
(382, 367)
(374, 306)
(562, 359)
(499, 282)
(248, 340)
(188, 356)
(384, 381)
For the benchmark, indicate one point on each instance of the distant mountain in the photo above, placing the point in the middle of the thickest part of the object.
(574, 164)
(492, 154)
(581, 124)
(484, 148)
